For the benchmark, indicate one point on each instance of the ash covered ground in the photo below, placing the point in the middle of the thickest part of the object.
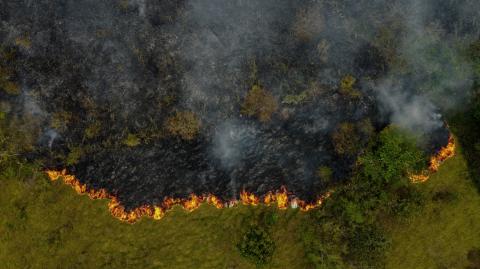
(157, 98)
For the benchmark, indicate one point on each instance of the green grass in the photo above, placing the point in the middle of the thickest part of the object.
(47, 225)
(441, 235)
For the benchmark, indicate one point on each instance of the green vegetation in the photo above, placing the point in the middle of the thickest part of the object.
(393, 157)
(445, 230)
(257, 245)
(131, 140)
(46, 224)
(347, 87)
(297, 99)
(349, 138)
(259, 103)
(74, 155)
(184, 124)
(325, 173)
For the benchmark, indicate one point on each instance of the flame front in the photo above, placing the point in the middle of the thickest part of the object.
(281, 198)
(157, 212)
(445, 153)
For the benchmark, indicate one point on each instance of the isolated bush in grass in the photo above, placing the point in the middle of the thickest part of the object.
(256, 245)
(367, 246)
(184, 124)
(473, 257)
(259, 103)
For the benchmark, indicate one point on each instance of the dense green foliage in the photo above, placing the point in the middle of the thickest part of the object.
(393, 158)
(256, 245)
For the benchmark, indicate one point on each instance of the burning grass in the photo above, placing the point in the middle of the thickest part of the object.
(280, 198)
(436, 160)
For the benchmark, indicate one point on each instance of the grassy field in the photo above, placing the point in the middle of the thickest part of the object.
(441, 235)
(47, 225)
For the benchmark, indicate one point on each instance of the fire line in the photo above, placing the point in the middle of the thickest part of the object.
(281, 197)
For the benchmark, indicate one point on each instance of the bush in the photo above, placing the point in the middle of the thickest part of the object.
(393, 157)
(347, 87)
(184, 124)
(407, 201)
(256, 245)
(325, 173)
(323, 244)
(367, 246)
(473, 257)
(74, 155)
(346, 140)
(259, 103)
(131, 140)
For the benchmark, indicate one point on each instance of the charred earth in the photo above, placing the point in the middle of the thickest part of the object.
(156, 99)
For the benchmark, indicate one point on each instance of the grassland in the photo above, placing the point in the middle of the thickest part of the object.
(446, 229)
(46, 224)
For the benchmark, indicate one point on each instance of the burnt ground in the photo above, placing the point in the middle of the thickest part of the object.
(91, 73)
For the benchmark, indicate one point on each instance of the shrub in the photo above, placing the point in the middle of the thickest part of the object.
(131, 140)
(256, 245)
(394, 156)
(184, 124)
(259, 103)
(325, 173)
(367, 246)
(345, 139)
(347, 87)
(407, 201)
(473, 257)
(74, 155)
(93, 129)
(24, 42)
(60, 120)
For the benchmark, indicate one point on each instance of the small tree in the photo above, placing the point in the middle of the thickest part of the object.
(256, 245)
(259, 103)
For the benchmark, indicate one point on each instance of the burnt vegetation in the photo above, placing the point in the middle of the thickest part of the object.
(157, 99)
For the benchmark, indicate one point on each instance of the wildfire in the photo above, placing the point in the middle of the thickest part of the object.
(157, 212)
(445, 153)
(281, 198)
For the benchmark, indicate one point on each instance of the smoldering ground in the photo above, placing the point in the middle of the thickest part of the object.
(106, 78)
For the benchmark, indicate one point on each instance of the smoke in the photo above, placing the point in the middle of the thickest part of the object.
(108, 69)
(413, 112)
(232, 141)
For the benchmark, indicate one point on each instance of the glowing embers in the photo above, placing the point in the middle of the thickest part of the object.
(281, 198)
(445, 153)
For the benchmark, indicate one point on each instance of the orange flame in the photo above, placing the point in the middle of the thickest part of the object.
(445, 153)
(157, 212)
(281, 197)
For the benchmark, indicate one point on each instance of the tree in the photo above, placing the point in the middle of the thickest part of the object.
(393, 157)
(256, 245)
